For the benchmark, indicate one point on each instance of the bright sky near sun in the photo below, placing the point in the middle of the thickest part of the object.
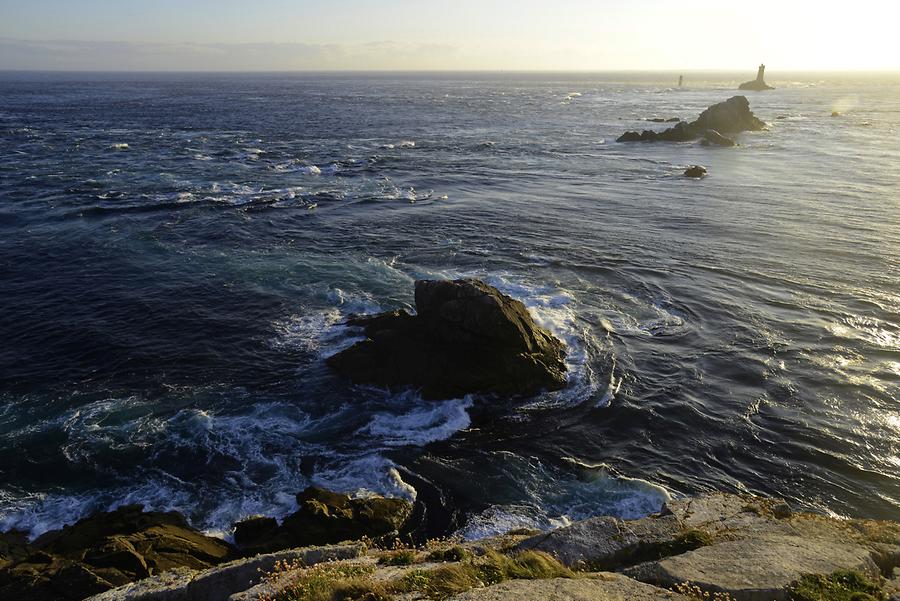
(591, 35)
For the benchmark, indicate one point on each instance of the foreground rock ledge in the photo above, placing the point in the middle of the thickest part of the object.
(466, 337)
(163, 553)
(729, 117)
(752, 548)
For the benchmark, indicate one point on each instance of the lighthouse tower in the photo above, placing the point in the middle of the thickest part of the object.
(759, 83)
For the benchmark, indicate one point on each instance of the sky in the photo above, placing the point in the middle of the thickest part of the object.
(531, 35)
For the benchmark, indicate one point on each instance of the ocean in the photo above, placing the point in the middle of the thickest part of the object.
(178, 253)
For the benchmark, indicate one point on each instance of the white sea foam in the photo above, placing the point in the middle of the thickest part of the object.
(320, 332)
(401, 144)
(556, 310)
(245, 477)
(428, 422)
(598, 491)
(368, 475)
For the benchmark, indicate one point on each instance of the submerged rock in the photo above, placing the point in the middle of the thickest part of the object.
(759, 84)
(106, 550)
(467, 337)
(729, 117)
(695, 171)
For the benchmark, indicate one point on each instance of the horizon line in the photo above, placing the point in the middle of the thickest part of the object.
(438, 70)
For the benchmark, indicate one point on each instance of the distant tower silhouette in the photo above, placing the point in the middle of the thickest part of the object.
(680, 80)
(761, 74)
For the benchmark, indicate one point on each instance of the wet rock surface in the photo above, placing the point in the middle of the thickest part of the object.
(323, 517)
(107, 550)
(466, 337)
(695, 171)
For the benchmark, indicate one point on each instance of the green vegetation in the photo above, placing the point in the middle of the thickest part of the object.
(844, 585)
(327, 582)
(488, 569)
(684, 542)
(342, 582)
(455, 553)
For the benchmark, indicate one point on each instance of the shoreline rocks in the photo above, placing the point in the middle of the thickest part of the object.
(113, 549)
(729, 117)
(323, 518)
(750, 548)
(107, 550)
(466, 337)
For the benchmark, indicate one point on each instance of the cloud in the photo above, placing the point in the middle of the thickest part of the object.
(67, 55)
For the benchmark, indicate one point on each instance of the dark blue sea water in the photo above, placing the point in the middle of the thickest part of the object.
(177, 253)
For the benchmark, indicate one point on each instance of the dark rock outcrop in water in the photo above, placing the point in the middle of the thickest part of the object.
(759, 84)
(729, 117)
(695, 171)
(715, 138)
(323, 517)
(104, 551)
(467, 337)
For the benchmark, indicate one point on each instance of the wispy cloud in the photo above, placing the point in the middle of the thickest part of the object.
(139, 56)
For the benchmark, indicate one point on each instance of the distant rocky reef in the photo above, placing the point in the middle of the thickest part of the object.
(729, 117)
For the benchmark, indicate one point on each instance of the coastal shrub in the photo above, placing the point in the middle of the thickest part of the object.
(440, 583)
(454, 553)
(843, 585)
(328, 582)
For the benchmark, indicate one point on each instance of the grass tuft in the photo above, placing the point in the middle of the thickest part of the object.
(400, 557)
(349, 582)
(490, 568)
(843, 585)
(455, 553)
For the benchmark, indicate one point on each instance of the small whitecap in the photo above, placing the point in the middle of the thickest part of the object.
(428, 422)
